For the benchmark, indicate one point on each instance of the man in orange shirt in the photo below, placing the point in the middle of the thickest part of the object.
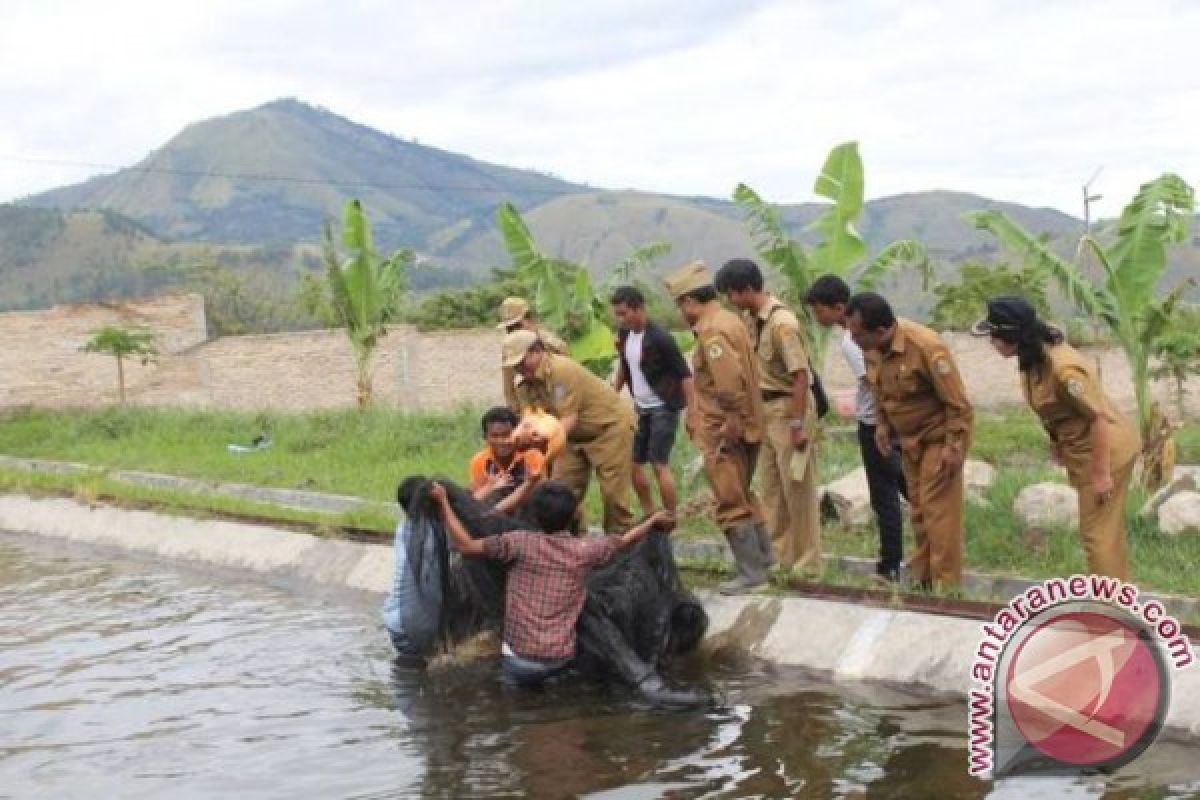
(500, 473)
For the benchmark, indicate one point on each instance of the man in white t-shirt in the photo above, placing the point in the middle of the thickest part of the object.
(660, 383)
(827, 297)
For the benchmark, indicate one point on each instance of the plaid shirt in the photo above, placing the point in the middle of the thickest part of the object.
(547, 587)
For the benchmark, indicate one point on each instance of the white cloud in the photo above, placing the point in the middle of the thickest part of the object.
(1019, 100)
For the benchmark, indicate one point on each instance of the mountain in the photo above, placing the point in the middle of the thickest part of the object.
(251, 190)
(276, 172)
(49, 256)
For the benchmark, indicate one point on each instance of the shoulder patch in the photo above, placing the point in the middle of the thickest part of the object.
(1075, 387)
(942, 365)
(714, 350)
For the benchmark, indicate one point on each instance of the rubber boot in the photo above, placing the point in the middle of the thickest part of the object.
(748, 557)
(764, 545)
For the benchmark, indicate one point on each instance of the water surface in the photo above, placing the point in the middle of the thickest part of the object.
(125, 678)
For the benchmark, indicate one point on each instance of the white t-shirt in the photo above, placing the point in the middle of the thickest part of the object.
(864, 401)
(643, 395)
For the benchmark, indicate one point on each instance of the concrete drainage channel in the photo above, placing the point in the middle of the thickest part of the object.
(848, 640)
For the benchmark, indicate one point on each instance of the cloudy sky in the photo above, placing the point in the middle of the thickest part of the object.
(1016, 99)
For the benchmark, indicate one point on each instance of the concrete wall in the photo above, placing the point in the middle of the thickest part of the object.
(42, 364)
(993, 382)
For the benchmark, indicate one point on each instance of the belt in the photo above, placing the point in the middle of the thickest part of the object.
(769, 395)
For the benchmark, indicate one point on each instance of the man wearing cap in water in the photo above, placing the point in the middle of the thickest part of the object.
(599, 425)
(921, 397)
(515, 315)
(726, 420)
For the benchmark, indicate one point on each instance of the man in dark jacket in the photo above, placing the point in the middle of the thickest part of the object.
(660, 383)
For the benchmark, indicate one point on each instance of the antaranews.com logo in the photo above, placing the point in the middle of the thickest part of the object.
(1071, 677)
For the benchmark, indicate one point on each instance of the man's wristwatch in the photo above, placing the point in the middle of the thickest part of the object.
(796, 424)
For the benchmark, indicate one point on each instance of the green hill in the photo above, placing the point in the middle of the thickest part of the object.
(252, 189)
(276, 172)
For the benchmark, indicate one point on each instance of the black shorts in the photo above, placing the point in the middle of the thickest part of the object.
(655, 435)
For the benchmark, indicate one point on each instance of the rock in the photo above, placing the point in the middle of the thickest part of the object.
(848, 498)
(979, 476)
(1047, 505)
(1182, 482)
(1180, 514)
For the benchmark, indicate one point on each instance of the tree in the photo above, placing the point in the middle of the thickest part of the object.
(361, 293)
(840, 249)
(961, 303)
(564, 296)
(121, 343)
(1178, 352)
(1126, 302)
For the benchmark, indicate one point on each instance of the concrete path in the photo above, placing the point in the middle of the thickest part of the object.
(977, 584)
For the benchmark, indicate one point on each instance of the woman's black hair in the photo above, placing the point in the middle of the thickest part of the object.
(1030, 340)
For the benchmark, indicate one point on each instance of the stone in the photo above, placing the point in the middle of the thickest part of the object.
(1180, 514)
(1047, 505)
(978, 476)
(848, 499)
(1183, 481)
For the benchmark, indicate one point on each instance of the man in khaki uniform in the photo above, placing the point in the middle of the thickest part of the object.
(598, 424)
(726, 419)
(515, 315)
(787, 460)
(1096, 443)
(922, 398)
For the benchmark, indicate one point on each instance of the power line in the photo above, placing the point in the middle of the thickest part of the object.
(297, 179)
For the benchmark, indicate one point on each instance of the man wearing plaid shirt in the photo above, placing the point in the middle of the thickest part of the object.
(547, 577)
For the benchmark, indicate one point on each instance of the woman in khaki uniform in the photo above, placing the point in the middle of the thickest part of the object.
(1095, 442)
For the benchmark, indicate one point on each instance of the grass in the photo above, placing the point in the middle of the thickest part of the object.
(366, 454)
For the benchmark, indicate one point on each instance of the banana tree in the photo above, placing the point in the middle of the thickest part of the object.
(840, 249)
(1133, 263)
(564, 296)
(362, 292)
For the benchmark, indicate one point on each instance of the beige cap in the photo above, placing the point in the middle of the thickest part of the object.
(686, 279)
(516, 345)
(512, 311)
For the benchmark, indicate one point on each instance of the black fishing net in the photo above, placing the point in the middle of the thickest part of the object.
(637, 616)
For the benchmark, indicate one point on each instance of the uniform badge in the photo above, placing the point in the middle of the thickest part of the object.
(715, 351)
(1075, 387)
(942, 366)
(560, 392)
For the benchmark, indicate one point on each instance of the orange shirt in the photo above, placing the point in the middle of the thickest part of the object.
(524, 463)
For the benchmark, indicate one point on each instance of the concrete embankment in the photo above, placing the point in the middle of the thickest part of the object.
(849, 641)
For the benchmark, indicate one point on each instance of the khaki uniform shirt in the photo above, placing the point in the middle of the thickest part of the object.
(563, 387)
(508, 375)
(779, 347)
(1065, 394)
(919, 390)
(725, 375)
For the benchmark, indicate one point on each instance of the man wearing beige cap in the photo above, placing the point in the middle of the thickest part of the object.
(516, 315)
(598, 424)
(726, 420)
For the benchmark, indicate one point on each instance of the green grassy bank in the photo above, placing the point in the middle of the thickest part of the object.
(366, 454)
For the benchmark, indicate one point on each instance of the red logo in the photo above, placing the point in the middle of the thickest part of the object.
(1086, 689)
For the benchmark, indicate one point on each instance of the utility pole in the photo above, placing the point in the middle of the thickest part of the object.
(1088, 199)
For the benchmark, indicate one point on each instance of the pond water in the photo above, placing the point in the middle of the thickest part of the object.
(124, 678)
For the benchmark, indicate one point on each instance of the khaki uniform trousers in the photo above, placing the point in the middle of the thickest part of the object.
(936, 500)
(730, 468)
(608, 456)
(1102, 527)
(793, 514)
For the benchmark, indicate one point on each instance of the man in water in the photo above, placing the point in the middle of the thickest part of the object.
(546, 585)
